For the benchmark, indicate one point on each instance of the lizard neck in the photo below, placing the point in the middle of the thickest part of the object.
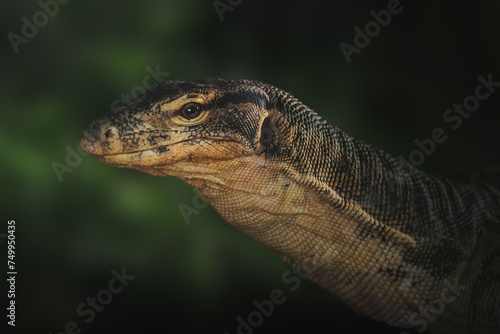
(358, 221)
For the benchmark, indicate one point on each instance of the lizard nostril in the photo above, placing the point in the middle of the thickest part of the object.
(111, 133)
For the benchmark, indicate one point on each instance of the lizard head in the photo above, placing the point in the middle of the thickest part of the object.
(197, 121)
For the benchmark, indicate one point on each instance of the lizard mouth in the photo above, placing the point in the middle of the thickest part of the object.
(162, 155)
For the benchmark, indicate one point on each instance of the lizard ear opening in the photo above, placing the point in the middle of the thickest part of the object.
(266, 132)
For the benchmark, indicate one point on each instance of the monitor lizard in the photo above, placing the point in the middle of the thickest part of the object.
(396, 244)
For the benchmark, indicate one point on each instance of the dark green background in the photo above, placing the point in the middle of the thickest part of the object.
(199, 277)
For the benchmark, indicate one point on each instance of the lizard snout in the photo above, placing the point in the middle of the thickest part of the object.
(100, 138)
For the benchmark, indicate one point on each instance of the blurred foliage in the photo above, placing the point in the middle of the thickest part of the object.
(200, 277)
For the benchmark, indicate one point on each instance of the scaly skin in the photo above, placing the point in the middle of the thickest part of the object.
(396, 244)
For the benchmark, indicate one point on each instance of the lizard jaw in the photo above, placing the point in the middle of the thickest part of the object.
(197, 150)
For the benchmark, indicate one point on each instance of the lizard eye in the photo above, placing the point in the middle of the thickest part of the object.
(191, 110)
